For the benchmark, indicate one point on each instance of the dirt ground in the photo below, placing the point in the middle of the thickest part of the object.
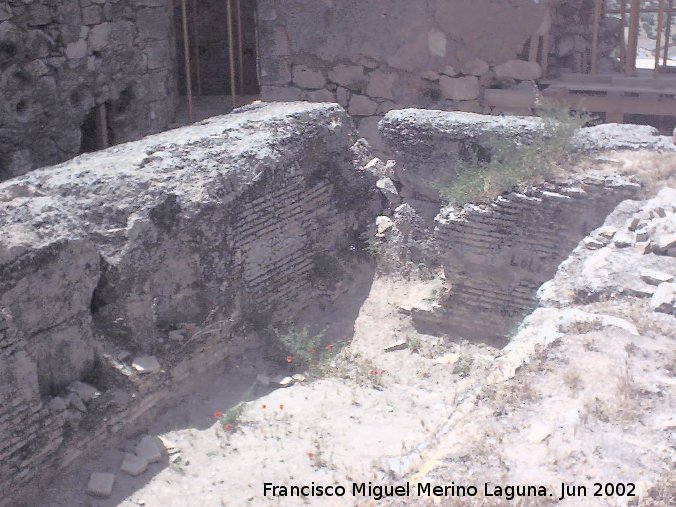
(597, 407)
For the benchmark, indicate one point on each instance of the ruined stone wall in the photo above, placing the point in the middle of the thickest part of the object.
(60, 59)
(372, 57)
(164, 246)
(496, 255)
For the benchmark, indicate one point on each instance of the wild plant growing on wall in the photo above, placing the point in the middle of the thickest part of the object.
(510, 163)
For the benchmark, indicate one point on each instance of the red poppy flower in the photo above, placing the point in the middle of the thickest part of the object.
(218, 414)
(289, 359)
(329, 346)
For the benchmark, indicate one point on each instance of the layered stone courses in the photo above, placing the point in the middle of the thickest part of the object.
(130, 246)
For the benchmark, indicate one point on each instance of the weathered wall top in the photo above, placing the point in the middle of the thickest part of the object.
(137, 247)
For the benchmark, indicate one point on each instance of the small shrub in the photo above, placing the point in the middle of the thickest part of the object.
(512, 163)
(231, 418)
(300, 345)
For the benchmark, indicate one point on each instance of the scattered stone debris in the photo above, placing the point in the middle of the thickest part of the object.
(654, 277)
(149, 449)
(101, 484)
(133, 465)
(400, 345)
(283, 381)
(146, 364)
(664, 299)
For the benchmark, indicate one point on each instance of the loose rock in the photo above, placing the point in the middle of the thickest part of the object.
(101, 484)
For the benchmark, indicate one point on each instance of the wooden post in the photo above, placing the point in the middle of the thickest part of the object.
(633, 37)
(658, 38)
(231, 51)
(186, 52)
(103, 126)
(545, 53)
(196, 38)
(623, 41)
(667, 32)
(533, 50)
(595, 37)
(240, 47)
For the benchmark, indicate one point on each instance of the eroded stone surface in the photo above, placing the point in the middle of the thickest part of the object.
(155, 236)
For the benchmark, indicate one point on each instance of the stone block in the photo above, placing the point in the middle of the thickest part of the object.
(133, 465)
(361, 105)
(92, 15)
(664, 299)
(460, 88)
(381, 84)
(101, 484)
(99, 37)
(349, 76)
(474, 67)
(518, 69)
(76, 49)
(146, 364)
(305, 77)
(436, 42)
(149, 449)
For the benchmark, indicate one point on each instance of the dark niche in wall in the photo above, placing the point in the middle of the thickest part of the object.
(209, 51)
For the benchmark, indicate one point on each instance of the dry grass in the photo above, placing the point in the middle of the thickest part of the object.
(652, 170)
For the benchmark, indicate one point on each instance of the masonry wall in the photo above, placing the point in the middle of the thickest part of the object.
(169, 246)
(372, 57)
(498, 255)
(60, 59)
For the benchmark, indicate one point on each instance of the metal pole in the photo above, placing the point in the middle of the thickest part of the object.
(595, 37)
(240, 47)
(658, 39)
(196, 36)
(231, 50)
(186, 52)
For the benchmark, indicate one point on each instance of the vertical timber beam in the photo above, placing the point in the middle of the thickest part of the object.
(196, 39)
(667, 33)
(658, 38)
(231, 51)
(103, 126)
(595, 37)
(623, 40)
(240, 47)
(186, 52)
(633, 37)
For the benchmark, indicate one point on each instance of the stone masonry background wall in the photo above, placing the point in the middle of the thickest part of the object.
(372, 57)
(61, 58)
(162, 246)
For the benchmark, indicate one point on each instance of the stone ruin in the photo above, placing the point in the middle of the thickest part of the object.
(125, 272)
